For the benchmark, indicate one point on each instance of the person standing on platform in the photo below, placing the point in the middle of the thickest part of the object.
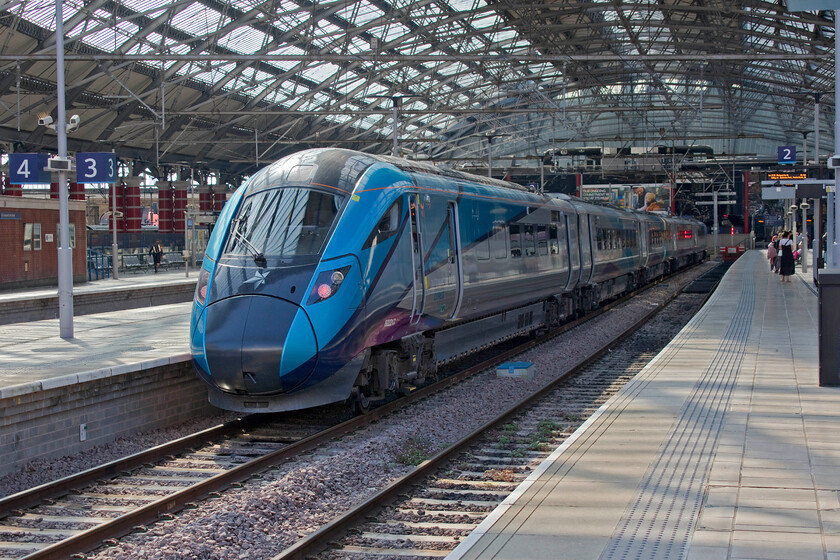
(787, 267)
(771, 254)
(157, 252)
(776, 239)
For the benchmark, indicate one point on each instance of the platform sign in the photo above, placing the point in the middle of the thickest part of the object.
(28, 169)
(787, 154)
(96, 167)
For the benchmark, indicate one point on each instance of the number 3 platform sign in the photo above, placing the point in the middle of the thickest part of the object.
(96, 167)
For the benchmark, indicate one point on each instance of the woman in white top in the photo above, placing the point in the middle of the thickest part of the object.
(786, 247)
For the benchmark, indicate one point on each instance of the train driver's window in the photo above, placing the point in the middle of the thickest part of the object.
(387, 226)
(553, 239)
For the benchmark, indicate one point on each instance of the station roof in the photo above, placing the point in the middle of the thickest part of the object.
(234, 84)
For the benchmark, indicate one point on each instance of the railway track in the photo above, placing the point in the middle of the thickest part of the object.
(80, 513)
(427, 513)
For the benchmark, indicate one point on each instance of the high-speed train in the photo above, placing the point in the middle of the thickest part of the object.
(335, 275)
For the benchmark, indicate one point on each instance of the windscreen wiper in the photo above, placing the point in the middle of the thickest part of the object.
(259, 257)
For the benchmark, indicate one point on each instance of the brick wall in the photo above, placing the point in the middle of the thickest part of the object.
(45, 424)
(37, 267)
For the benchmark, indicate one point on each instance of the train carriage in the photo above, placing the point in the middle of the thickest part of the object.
(336, 275)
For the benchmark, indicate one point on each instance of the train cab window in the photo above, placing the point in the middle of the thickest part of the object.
(553, 239)
(283, 223)
(387, 226)
(498, 241)
(515, 241)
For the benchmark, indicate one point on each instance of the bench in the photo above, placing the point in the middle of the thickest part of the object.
(133, 263)
(174, 259)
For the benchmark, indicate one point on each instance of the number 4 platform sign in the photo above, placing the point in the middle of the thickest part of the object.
(28, 169)
(96, 167)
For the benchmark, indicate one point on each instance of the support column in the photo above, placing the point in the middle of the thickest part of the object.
(205, 199)
(180, 206)
(746, 175)
(133, 207)
(165, 224)
(10, 189)
(219, 199)
(77, 191)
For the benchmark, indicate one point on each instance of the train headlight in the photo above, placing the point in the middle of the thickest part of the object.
(327, 284)
(201, 286)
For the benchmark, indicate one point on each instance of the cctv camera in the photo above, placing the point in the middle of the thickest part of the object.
(74, 123)
(45, 120)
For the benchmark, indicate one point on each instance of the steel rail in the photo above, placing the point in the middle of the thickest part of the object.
(37, 495)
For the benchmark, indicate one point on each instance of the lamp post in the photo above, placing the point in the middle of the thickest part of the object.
(65, 252)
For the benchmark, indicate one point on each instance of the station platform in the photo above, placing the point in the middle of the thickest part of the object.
(137, 336)
(123, 372)
(131, 290)
(723, 447)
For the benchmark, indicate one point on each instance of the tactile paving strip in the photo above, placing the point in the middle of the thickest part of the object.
(659, 521)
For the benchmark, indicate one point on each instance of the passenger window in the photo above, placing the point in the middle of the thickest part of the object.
(553, 239)
(529, 241)
(387, 226)
(542, 239)
(515, 241)
(498, 242)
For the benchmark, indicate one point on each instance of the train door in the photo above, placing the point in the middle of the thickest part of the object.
(573, 250)
(455, 245)
(442, 259)
(644, 255)
(419, 283)
(585, 248)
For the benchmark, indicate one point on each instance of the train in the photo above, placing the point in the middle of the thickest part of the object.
(334, 275)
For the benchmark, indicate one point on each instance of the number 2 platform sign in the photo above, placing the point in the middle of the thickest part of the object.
(96, 167)
(787, 154)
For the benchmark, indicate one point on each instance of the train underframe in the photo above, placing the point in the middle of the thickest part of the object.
(401, 365)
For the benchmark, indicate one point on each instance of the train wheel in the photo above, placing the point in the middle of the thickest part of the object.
(359, 401)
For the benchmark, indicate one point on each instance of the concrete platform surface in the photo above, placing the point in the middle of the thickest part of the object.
(723, 447)
(33, 355)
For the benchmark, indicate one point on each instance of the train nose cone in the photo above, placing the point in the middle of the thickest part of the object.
(258, 345)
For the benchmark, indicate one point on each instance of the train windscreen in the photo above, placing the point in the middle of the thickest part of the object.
(283, 223)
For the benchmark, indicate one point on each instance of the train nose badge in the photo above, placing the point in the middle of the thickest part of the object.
(258, 279)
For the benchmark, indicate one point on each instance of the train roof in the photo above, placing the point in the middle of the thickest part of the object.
(414, 166)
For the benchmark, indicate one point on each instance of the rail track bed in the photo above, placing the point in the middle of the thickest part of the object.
(271, 485)
(428, 519)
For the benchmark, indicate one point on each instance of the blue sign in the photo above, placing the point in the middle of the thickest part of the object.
(28, 169)
(96, 167)
(787, 154)
(9, 215)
